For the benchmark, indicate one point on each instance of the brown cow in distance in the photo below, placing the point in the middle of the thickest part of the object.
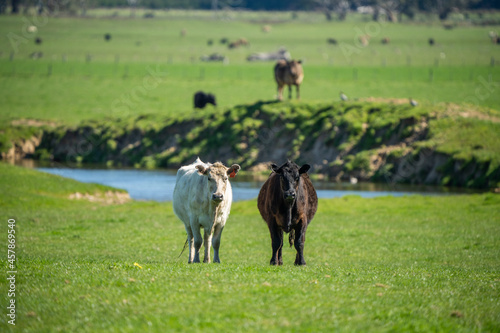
(287, 202)
(288, 72)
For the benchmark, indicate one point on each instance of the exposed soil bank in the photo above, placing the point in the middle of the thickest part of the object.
(439, 145)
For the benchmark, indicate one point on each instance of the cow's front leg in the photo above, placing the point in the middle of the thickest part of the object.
(297, 91)
(289, 91)
(300, 239)
(280, 92)
(190, 241)
(198, 241)
(277, 243)
(208, 244)
(216, 241)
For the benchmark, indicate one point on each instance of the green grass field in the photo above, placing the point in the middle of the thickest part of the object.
(410, 264)
(62, 86)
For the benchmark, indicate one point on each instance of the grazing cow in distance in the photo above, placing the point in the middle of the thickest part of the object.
(287, 202)
(288, 72)
(214, 57)
(202, 199)
(238, 43)
(201, 100)
(270, 56)
(364, 40)
(332, 41)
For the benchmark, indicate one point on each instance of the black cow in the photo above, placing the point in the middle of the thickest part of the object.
(287, 202)
(201, 100)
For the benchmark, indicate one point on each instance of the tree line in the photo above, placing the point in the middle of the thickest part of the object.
(393, 9)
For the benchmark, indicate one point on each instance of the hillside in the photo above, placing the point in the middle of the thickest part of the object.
(378, 140)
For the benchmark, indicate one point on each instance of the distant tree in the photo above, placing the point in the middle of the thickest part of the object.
(394, 9)
(3, 6)
(15, 6)
(341, 7)
(445, 7)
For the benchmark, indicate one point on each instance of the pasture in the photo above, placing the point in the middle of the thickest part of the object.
(414, 264)
(81, 76)
(387, 264)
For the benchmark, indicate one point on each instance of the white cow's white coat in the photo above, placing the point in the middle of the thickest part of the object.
(194, 206)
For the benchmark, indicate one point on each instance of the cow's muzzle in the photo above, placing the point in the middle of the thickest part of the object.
(289, 196)
(217, 197)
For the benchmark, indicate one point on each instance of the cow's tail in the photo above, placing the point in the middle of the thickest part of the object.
(185, 245)
(291, 237)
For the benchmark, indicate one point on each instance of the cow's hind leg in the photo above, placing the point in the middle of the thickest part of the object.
(198, 241)
(289, 91)
(216, 241)
(300, 239)
(208, 244)
(277, 243)
(297, 90)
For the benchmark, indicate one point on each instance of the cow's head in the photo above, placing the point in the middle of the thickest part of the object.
(289, 174)
(295, 68)
(217, 175)
(211, 99)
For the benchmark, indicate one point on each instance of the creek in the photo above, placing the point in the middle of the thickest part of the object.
(158, 185)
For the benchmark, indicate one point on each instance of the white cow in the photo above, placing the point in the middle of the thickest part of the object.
(202, 199)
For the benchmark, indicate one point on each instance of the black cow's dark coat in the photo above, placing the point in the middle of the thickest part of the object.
(287, 202)
(201, 99)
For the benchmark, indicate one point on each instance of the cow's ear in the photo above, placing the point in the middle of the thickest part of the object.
(201, 169)
(275, 168)
(300, 61)
(233, 170)
(304, 168)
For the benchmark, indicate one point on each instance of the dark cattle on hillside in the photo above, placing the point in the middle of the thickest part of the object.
(107, 37)
(287, 202)
(201, 99)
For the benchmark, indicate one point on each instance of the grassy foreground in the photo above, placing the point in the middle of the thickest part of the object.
(386, 264)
